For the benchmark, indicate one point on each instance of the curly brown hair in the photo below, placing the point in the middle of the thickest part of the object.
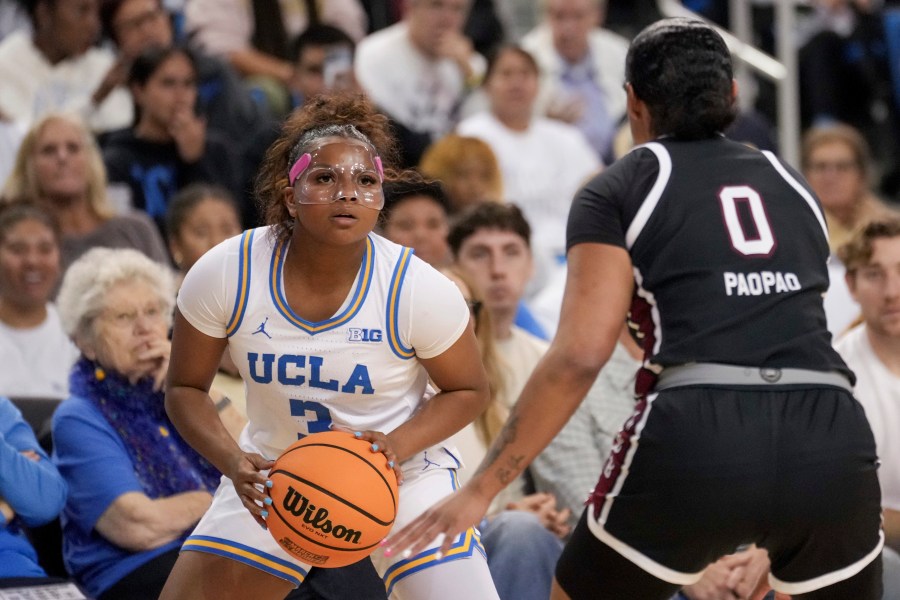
(339, 115)
(858, 251)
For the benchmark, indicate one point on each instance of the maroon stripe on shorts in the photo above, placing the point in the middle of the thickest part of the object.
(617, 455)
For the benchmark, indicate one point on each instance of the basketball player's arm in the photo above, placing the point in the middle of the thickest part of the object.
(892, 528)
(598, 292)
(459, 374)
(192, 366)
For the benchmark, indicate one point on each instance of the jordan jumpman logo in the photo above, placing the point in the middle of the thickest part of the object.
(262, 329)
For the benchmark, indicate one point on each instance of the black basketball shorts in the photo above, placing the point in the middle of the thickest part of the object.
(698, 471)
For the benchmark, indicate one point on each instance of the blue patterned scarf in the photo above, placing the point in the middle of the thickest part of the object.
(163, 462)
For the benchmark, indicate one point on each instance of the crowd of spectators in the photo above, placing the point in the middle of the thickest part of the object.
(130, 136)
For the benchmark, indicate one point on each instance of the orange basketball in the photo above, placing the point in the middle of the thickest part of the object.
(333, 499)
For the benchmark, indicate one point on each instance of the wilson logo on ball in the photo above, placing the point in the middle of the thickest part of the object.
(334, 499)
(299, 506)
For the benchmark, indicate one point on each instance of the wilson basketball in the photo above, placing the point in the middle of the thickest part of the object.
(333, 499)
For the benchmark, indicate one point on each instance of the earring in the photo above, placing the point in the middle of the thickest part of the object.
(178, 258)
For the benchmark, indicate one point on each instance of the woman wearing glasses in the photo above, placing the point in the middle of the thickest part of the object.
(135, 486)
(290, 302)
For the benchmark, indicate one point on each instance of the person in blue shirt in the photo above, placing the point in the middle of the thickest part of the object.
(136, 488)
(32, 493)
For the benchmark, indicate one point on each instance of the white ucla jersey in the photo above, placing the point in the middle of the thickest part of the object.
(357, 370)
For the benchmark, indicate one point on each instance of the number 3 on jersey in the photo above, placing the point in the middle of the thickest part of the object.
(322, 421)
(764, 241)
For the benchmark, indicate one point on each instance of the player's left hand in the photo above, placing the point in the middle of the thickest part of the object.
(381, 443)
(445, 520)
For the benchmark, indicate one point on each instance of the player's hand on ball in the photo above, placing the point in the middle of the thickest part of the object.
(381, 443)
(445, 520)
(250, 483)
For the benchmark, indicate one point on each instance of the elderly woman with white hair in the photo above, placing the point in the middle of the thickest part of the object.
(136, 488)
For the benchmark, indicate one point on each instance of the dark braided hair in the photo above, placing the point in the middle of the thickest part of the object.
(681, 68)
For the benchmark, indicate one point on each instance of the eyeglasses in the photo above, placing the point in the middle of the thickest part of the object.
(474, 307)
(839, 166)
(126, 319)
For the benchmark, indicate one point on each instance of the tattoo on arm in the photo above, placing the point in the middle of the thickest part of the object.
(506, 437)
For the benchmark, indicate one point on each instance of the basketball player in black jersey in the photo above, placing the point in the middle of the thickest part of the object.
(745, 430)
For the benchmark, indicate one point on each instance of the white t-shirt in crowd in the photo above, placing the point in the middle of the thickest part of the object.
(32, 87)
(878, 390)
(542, 169)
(421, 93)
(36, 361)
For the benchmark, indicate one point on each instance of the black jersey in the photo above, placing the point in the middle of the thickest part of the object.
(729, 247)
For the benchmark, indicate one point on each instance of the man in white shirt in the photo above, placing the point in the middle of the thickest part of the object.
(419, 70)
(582, 70)
(872, 350)
(58, 68)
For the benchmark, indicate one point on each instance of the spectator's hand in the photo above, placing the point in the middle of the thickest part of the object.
(155, 356)
(543, 506)
(560, 526)
(458, 48)
(116, 76)
(6, 511)
(249, 483)
(189, 132)
(568, 110)
(732, 577)
(747, 567)
(713, 585)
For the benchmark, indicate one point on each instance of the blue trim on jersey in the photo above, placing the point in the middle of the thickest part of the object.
(393, 306)
(310, 327)
(469, 542)
(243, 291)
(273, 565)
(450, 454)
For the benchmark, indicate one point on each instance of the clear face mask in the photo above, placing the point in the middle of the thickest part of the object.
(324, 175)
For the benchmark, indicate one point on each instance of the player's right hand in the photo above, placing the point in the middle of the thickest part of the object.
(250, 483)
(445, 520)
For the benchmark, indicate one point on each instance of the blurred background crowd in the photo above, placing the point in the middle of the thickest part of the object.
(130, 136)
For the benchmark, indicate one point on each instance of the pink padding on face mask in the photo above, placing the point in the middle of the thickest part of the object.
(379, 167)
(298, 167)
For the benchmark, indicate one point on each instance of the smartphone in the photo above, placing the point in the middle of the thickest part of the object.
(338, 68)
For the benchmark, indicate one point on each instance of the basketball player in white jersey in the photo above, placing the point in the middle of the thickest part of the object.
(332, 327)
